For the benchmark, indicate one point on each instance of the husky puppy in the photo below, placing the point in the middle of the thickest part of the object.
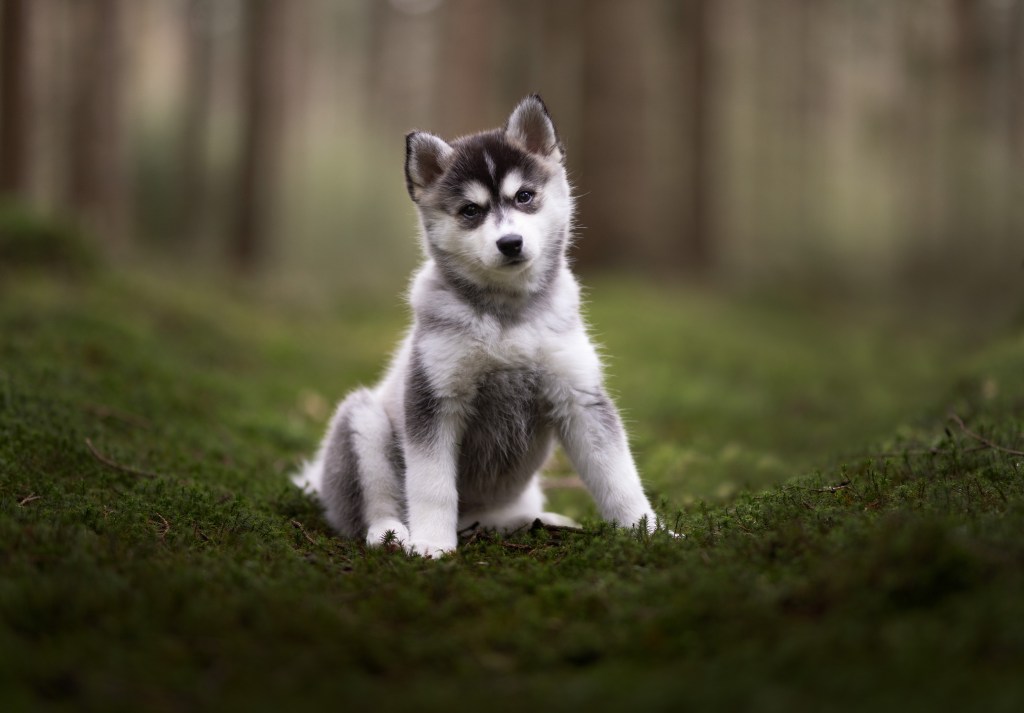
(497, 364)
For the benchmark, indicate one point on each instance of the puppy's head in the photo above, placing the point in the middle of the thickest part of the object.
(495, 206)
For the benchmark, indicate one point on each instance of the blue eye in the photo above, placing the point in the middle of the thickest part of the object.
(524, 197)
(470, 210)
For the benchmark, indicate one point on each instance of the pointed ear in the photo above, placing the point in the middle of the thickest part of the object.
(426, 158)
(531, 127)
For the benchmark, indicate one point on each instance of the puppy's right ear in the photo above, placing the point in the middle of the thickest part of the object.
(426, 158)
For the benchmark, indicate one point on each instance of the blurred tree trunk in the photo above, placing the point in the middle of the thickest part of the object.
(192, 212)
(15, 97)
(562, 65)
(613, 177)
(374, 65)
(1014, 89)
(922, 160)
(1015, 80)
(262, 134)
(970, 50)
(968, 97)
(807, 77)
(404, 51)
(468, 68)
(96, 190)
(698, 235)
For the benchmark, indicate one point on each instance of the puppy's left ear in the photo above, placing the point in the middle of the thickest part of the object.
(531, 127)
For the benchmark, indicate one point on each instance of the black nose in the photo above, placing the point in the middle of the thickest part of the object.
(510, 245)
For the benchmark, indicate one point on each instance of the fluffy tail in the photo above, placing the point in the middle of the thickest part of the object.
(310, 477)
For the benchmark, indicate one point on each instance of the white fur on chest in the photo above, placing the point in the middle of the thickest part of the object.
(468, 345)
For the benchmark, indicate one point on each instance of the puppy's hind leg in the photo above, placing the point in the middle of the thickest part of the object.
(363, 480)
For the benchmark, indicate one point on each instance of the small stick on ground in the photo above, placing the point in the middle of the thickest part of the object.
(836, 488)
(298, 525)
(26, 500)
(117, 466)
(163, 527)
(981, 439)
(844, 485)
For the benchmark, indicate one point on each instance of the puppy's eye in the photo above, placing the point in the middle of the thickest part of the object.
(470, 210)
(524, 197)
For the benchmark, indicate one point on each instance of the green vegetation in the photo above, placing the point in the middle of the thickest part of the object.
(29, 239)
(849, 543)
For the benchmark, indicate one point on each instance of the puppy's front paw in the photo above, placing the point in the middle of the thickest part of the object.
(432, 550)
(647, 521)
(387, 533)
(651, 522)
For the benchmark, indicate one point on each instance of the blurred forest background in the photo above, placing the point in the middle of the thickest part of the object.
(865, 145)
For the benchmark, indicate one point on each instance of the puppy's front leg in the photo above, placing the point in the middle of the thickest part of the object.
(595, 441)
(433, 425)
(594, 438)
(432, 498)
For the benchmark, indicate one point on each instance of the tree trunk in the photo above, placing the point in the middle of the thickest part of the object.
(970, 47)
(262, 134)
(95, 153)
(698, 238)
(467, 55)
(15, 97)
(613, 179)
(192, 211)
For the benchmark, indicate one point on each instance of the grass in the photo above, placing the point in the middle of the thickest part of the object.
(848, 543)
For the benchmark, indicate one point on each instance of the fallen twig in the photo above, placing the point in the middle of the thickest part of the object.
(981, 439)
(117, 466)
(163, 527)
(298, 525)
(844, 485)
(26, 500)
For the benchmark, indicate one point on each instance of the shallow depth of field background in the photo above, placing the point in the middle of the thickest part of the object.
(801, 232)
(867, 148)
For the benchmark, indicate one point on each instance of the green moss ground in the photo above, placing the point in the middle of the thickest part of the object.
(849, 545)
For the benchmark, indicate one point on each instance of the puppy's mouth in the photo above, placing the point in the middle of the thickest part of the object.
(514, 261)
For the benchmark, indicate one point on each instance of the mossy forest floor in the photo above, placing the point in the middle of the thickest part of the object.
(850, 483)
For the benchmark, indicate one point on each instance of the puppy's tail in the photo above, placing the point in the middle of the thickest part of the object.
(310, 476)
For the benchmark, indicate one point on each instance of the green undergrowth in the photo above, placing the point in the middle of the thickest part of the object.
(29, 239)
(851, 493)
